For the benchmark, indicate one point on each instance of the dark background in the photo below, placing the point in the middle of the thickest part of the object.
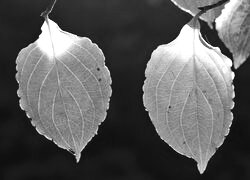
(127, 146)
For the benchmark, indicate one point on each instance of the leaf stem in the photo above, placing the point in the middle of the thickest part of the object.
(204, 9)
(45, 14)
(48, 10)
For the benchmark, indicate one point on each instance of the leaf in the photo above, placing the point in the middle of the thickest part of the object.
(233, 26)
(64, 86)
(191, 6)
(188, 93)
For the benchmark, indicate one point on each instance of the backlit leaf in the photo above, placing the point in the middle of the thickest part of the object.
(191, 6)
(188, 93)
(64, 86)
(233, 26)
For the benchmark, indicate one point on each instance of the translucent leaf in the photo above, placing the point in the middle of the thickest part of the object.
(233, 26)
(191, 6)
(188, 92)
(64, 86)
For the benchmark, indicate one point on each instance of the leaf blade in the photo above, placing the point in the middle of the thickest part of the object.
(233, 29)
(184, 94)
(66, 95)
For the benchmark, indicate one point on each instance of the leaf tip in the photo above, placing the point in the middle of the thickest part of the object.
(76, 153)
(202, 167)
(238, 60)
(78, 157)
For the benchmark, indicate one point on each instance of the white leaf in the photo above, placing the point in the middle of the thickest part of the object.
(233, 26)
(188, 92)
(64, 87)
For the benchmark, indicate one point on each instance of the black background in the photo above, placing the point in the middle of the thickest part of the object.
(127, 146)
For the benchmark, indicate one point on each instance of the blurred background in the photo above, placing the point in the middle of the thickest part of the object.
(127, 146)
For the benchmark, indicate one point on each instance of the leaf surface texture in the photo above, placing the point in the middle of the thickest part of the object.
(233, 26)
(188, 93)
(64, 86)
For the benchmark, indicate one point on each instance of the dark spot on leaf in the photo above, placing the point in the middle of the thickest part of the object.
(172, 75)
(214, 146)
(99, 79)
(168, 110)
(98, 69)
